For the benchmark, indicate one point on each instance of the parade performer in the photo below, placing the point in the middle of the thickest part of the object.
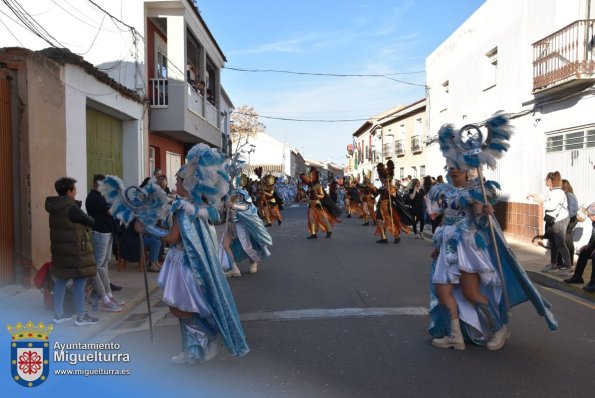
(323, 213)
(272, 201)
(245, 234)
(367, 191)
(392, 218)
(194, 285)
(475, 278)
(353, 200)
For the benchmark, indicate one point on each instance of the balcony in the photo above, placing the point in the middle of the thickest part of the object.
(388, 150)
(565, 58)
(399, 148)
(416, 144)
(180, 111)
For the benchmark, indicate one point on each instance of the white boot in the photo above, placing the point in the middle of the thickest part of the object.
(234, 273)
(498, 339)
(454, 340)
(253, 268)
(183, 357)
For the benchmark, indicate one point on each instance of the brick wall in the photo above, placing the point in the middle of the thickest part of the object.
(520, 221)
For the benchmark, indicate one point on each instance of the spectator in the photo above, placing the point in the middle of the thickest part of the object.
(556, 217)
(162, 182)
(439, 180)
(572, 210)
(72, 252)
(102, 243)
(586, 253)
(416, 196)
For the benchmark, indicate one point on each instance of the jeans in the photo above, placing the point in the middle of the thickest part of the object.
(102, 246)
(559, 243)
(79, 295)
(154, 245)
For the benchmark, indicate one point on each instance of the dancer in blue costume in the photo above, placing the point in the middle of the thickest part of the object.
(194, 285)
(245, 235)
(467, 289)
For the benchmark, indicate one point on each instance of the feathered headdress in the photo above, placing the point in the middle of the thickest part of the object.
(467, 148)
(382, 172)
(204, 174)
(258, 172)
(148, 204)
(390, 169)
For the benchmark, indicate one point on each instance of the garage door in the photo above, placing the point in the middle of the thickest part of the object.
(104, 145)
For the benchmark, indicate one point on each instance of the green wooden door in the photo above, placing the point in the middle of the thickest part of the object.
(104, 145)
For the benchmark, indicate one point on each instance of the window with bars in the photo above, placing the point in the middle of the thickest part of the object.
(573, 140)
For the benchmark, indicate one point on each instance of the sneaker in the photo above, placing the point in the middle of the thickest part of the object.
(61, 318)
(114, 288)
(182, 358)
(590, 287)
(153, 268)
(313, 236)
(85, 320)
(550, 268)
(110, 307)
(117, 301)
(566, 271)
(382, 241)
(397, 239)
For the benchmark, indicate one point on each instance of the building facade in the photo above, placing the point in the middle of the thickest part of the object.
(537, 65)
(60, 117)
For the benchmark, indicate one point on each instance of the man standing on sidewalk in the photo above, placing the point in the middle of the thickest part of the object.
(72, 252)
(102, 242)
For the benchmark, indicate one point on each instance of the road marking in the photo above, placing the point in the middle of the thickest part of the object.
(328, 313)
(568, 296)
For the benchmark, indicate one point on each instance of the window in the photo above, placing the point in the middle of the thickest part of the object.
(555, 143)
(574, 140)
(418, 127)
(402, 173)
(591, 139)
(444, 95)
(414, 168)
(422, 171)
(491, 68)
(570, 141)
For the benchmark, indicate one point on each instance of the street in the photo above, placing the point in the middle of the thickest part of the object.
(346, 317)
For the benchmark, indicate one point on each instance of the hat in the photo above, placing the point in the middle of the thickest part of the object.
(591, 210)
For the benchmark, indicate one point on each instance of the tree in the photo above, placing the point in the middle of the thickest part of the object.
(244, 124)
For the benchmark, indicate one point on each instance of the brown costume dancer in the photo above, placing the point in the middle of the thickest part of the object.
(353, 200)
(261, 203)
(388, 217)
(318, 216)
(367, 192)
(272, 206)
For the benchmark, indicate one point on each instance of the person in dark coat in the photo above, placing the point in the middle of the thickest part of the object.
(586, 253)
(72, 250)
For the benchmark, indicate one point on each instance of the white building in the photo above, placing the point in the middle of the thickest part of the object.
(534, 60)
(275, 157)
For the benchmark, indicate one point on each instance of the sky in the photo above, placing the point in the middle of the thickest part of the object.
(330, 37)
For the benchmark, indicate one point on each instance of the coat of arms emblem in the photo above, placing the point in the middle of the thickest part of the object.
(29, 353)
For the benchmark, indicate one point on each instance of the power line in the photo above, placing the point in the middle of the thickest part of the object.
(304, 120)
(384, 76)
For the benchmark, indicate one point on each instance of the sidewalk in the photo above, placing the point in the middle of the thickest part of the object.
(19, 304)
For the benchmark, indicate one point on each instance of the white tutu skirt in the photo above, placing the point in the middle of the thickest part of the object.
(181, 289)
(460, 256)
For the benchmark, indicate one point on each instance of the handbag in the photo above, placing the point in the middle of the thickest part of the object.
(549, 219)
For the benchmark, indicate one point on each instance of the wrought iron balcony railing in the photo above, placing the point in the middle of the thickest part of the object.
(564, 56)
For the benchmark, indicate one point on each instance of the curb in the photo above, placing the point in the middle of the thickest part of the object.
(115, 317)
(558, 284)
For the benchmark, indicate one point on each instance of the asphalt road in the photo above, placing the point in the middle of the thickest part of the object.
(347, 317)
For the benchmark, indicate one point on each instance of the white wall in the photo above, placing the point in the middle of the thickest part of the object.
(81, 87)
(512, 26)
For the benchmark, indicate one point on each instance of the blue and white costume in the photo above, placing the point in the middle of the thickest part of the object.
(465, 246)
(249, 237)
